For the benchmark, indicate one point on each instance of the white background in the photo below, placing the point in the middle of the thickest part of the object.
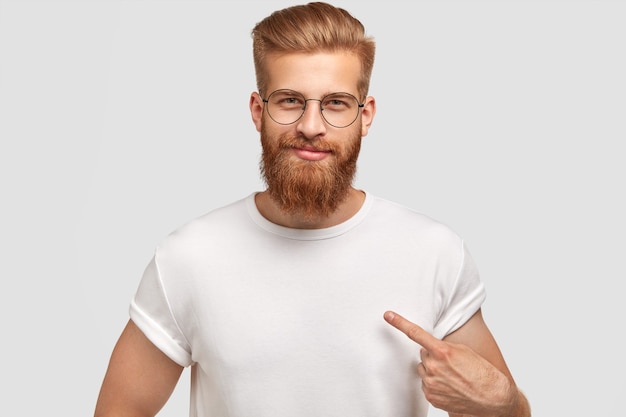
(121, 120)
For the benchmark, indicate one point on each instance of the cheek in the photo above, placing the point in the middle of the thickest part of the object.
(274, 133)
(270, 136)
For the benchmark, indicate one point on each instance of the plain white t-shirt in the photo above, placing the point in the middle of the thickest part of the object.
(287, 322)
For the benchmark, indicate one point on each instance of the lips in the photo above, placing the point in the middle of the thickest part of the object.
(310, 153)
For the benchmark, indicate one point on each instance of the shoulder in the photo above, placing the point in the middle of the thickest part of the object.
(208, 230)
(398, 218)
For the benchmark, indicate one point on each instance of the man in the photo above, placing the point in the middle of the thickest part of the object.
(278, 302)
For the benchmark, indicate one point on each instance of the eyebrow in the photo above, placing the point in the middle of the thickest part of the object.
(326, 93)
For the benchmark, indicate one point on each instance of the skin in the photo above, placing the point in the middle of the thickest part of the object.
(314, 75)
(465, 373)
(139, 380)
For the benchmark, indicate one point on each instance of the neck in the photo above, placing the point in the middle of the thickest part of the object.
(272, 212)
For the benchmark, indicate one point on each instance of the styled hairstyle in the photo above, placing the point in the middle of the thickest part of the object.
(314, 27)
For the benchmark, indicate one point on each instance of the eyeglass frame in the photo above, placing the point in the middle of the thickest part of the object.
(320, 100)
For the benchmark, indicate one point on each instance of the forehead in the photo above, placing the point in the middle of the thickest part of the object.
(314, 74)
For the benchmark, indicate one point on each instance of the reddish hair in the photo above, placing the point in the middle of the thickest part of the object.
(314, 27)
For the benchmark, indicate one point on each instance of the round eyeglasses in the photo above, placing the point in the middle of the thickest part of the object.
(286, 107)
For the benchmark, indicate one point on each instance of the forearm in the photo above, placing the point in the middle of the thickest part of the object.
(515, 406)
(520, 408)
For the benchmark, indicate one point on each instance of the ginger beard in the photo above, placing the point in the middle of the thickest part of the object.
(308, 188)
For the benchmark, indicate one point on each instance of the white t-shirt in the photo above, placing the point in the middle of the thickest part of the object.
(280, 322)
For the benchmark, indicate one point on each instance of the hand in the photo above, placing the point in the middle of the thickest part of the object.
(455, 378)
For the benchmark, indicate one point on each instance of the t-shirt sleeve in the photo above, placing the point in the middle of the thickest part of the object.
(465, 297)
(151, 312)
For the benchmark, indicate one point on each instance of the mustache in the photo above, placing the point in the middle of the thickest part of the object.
(289, 141)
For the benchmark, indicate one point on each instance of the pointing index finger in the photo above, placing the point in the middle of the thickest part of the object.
(412, 330)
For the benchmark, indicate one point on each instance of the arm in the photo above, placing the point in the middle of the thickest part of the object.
(476, 335)
(465, 374)
(139, 380)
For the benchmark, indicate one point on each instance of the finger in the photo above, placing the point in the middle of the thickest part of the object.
(421, 370)
(412, 330)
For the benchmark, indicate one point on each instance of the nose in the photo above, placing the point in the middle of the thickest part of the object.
(311, 124)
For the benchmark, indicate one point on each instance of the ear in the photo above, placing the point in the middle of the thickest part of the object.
(367, 114)
(256, 110)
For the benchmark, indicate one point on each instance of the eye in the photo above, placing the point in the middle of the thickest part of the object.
(287, 99)
(290, 100)
(339, 102)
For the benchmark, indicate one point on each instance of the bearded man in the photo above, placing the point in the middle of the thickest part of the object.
(308, 163)
(281, 302)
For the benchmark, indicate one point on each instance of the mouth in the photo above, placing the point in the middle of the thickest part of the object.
(310, 153)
